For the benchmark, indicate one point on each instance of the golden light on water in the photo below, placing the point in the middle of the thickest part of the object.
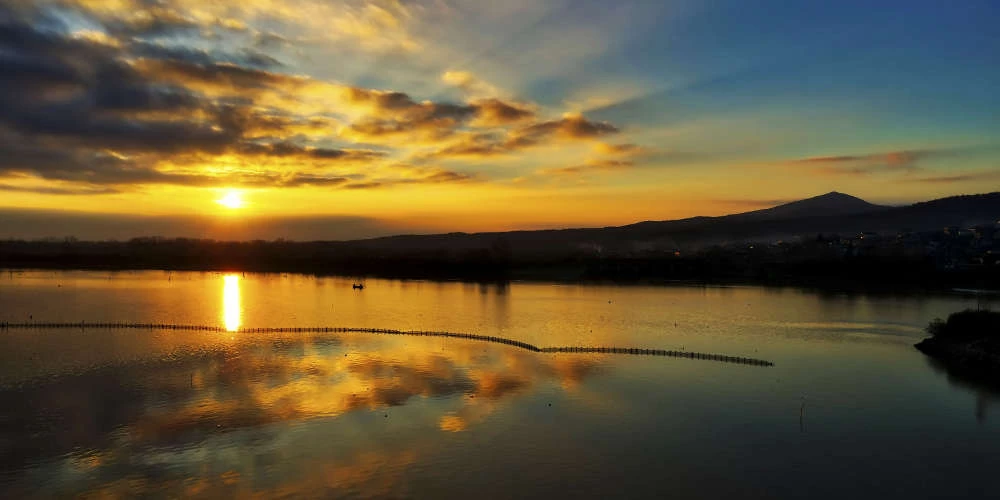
(231, 311)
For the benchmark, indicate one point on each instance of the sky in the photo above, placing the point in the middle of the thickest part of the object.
(317, 119)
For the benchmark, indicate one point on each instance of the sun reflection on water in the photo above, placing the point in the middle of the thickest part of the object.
(231, 311)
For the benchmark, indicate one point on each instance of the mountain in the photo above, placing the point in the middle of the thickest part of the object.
(832, 203)
(832, 213)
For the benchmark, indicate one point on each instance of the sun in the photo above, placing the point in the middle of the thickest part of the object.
(232, 200)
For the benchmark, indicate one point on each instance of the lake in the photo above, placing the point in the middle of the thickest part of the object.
(848, 409)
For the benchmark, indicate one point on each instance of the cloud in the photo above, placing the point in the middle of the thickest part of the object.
(483, 144)
(416, 175)
(475, 145)
(951, 179)
(145, 95)
(151, 21)
(388, 116)
(626, 149)
(377, 26)
(571, 126)
(469, 84)
(590, 166)
(380, 27)
(269, 39)
(892, 161)
(82, 190)
(242, 57)
(214, 76)
(286, 149)
(80, 110)
(494, 112)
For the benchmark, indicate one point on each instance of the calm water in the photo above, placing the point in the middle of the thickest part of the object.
(848, 409)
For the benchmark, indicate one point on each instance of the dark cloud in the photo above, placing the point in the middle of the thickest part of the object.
(153, 21)
(28, 74)
(78, 89)
(270, 40)
(133, 102)
(219, 75)
(79, 110)
(569, 128)
(382, 100)
(497, 112)
(244, 57)
(287, 149)
(27, 156)
(396, 113)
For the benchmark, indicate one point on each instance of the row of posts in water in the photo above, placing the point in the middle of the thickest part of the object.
(386, 331)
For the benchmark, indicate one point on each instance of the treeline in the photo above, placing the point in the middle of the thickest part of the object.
(494, 262)
(252, 256)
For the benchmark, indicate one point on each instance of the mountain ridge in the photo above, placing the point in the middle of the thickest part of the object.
(832, 203)
(845, 215)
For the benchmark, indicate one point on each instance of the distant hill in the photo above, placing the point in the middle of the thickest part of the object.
(832, 213)
(832, 203)
(641, 251)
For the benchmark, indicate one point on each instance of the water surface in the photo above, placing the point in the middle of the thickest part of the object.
(849, 407)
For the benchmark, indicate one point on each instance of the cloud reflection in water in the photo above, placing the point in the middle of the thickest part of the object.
(219, 416)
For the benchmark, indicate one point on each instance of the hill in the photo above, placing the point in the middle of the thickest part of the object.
(832, 213)
(829, 204)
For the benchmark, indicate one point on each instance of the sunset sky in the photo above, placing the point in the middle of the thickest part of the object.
(322, 119)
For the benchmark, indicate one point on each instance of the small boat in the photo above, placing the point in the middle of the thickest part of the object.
(358, 286)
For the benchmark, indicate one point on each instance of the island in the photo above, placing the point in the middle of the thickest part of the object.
(969, 341)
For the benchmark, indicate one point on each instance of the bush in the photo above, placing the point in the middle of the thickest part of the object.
(967, 324)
